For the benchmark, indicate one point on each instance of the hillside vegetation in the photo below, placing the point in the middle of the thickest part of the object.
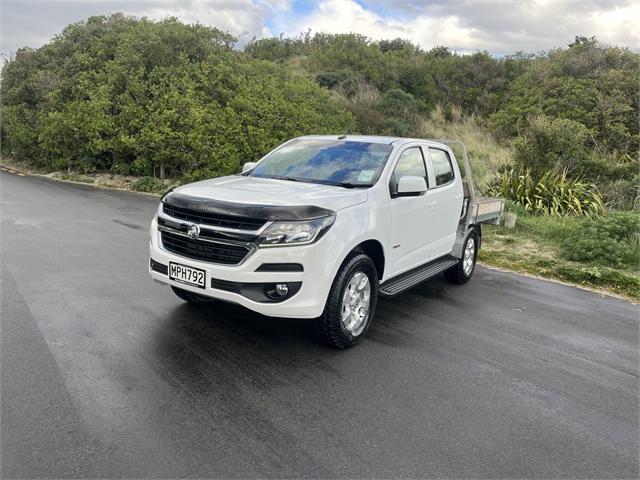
(154, 98)
(573, 109)
(165, 99)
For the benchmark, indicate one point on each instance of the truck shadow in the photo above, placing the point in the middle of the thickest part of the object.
(201, 346)
(228, 361)
(226, 331)
(207, 345)
(234, 326)
(232, 369)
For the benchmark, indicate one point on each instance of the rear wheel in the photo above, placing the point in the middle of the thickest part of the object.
(462, 271)
(191, 297)
(351, 304)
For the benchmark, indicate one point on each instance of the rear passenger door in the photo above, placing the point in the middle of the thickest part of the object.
(444, 200)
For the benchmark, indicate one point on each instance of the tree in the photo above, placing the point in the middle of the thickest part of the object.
(153, 98)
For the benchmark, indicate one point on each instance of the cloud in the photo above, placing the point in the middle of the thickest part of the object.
(497, 26)
(34, 22)
(500, 26)
(240, 17)
(344, 16)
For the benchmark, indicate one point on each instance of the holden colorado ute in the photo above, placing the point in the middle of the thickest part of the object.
(322, 226)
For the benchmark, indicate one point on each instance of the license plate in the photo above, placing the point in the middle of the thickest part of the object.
(187, 275)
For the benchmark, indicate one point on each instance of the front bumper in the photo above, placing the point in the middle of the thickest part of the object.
(313, 281)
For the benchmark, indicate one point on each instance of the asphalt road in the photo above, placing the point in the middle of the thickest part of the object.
(107, 374)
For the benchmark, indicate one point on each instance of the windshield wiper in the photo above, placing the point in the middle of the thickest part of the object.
(291, 179)
(348, 185)
(321, 182)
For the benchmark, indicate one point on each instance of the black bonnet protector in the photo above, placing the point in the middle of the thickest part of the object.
(260, 212)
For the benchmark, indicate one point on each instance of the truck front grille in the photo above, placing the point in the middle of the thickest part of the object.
(215, 220)
(222, 253)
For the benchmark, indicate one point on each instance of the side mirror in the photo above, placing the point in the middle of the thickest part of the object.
(411, 186)
(248, 166)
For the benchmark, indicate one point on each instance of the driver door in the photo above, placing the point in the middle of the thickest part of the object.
(409, 223)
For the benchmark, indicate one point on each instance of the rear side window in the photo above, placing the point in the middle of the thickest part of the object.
(442, 168)
(411, 163)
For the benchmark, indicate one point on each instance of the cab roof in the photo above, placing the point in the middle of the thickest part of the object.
(373, 139)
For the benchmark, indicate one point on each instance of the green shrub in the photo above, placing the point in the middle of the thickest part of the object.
(149, 184)
(588, 83)
(401, 111)
(612, 240)
(399, 127)
(548, 143)
(553, 193)
(348, 82)
(119, 94)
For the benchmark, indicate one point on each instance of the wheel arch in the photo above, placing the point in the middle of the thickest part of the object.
(478, 229)
(374, 250)
(475, 229)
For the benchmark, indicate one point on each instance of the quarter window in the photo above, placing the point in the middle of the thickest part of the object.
(411, 163)
(442, 168)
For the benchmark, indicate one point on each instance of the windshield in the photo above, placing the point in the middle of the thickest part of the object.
(333, 162)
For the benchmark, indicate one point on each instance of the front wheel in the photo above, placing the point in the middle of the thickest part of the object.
(351, 304)
(462, 271)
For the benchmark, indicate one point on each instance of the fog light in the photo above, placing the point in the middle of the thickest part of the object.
(279, 292)
(282, 289)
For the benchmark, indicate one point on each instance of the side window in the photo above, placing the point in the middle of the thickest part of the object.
(442, 168)
(411, 163)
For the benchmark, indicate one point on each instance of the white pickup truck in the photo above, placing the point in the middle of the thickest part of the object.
(320, 227)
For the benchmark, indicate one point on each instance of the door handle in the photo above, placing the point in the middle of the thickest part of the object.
(431, 204)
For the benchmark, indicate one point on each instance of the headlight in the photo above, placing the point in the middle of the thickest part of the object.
(282, 234)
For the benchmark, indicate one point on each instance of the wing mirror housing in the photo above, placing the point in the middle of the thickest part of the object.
(248, 166)
(411, 186)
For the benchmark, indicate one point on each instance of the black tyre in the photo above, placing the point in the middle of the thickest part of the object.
(462, 271)
(351, 305)
(191, 297)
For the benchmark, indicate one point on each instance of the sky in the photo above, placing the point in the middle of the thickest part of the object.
(499, 26)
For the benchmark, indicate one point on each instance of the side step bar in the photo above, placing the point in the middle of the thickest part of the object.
(418, 275)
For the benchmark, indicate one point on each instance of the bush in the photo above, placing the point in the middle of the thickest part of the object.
(549, 143)
(398, 103)
(588, 83)
(553, 193)
(346, 81)
(153, 98)
(149, 184)
(612, 240)
(401, 111)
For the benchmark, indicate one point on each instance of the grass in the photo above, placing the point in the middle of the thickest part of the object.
(534, 246)
(74, 177)
(149, 185)
(98, 179)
